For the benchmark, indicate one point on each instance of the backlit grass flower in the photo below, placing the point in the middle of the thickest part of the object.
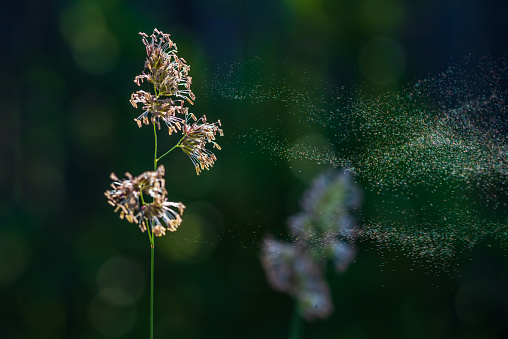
(170, 78)
(130, 196)
(124, 196)
(195, 137)
(166, 71)
(156, 109)
(161, 215)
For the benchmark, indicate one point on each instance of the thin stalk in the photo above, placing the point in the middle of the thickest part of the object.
(151, 236)
(152, 248)
(155, 153)
(178, 144)
(296, 324)
(152, 240)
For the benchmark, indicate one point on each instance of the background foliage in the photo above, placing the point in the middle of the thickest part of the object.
(69, 268)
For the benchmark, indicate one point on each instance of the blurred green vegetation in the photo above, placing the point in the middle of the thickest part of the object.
(69, 268)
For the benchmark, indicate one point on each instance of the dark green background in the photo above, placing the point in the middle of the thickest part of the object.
(67, 123)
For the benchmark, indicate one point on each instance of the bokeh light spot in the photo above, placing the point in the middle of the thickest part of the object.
(14, 255)
(382, 61)
(79, 16)
(45, 314)
(93, 117)
(188, 242)
(382, 15)
(477, 301)
(120, 281)
(45, 189)
(109, 320)
(95, 48)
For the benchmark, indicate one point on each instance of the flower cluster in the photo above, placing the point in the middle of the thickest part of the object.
(158, 109)
(170, 78)
(195, 138)
(129, 197)
(298, 268)
(166, 71)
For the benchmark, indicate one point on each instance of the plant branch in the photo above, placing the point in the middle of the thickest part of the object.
(178, 144)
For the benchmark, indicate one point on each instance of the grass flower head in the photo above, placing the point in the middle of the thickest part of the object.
(170, 78)
(129, 197)
(196, 137)
(168, 73)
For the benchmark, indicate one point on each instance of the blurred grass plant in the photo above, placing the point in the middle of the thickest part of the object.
(319, 233)
(143, 199)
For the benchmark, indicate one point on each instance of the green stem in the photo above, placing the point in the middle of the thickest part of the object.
(296, 324)
(152, 248)
(151, 236)
(155, 153)
(178, 144)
